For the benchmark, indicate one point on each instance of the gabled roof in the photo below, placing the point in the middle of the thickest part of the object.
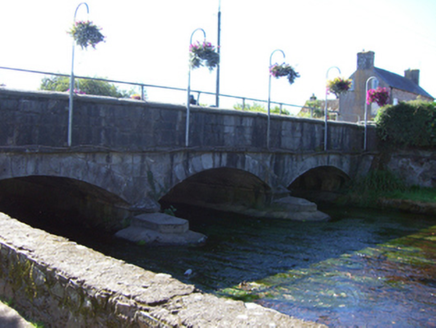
(400, 82)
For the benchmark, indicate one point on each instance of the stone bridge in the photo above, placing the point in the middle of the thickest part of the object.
(126, 155)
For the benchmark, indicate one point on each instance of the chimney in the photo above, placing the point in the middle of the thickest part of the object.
(412, 75)
(365, 60)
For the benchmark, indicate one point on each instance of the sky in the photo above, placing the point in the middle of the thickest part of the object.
(147, 41)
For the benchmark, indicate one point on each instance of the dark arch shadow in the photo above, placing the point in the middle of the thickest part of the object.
(220, 188)
(61, 201)
(320, 184)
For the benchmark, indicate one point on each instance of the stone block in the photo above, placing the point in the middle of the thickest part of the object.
(147, 205)
(161, 222)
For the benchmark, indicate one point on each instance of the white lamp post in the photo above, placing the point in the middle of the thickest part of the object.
(70, 107)
(269, 97)
(366, 111)
(188, 98)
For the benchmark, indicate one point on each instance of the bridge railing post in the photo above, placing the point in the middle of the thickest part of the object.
(70, 106)
(269, 97)
(366, 112)
(142, 92)
(326, 109)
(188, 99)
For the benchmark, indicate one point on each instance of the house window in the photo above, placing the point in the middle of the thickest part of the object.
(352, 86)
(395, 102)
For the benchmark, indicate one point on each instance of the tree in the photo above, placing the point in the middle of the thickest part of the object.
(316, 106)
(260, 108)
(91, 87)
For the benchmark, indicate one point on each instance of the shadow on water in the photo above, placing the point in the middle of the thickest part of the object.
(335, 272)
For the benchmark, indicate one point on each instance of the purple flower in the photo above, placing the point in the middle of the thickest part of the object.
(379, 95)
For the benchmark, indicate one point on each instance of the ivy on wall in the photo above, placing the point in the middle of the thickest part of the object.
(408, 124)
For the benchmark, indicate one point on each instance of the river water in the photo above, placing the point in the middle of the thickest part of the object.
(363, 268)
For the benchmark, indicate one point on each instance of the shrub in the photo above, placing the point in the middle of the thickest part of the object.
(411, 124)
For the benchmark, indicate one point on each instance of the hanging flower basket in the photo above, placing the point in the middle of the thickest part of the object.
(277, 71)
(379, 95)
(203, 54)
(338, 85)
(85, 33)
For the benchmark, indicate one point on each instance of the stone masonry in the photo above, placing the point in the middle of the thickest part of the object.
(131, 153)
(40, 119)
(63, 284)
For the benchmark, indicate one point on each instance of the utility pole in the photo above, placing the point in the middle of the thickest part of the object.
(217, 97)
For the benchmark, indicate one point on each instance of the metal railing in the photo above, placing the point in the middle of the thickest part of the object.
(143, 86)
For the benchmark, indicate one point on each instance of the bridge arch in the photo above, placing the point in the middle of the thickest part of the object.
(319, 182)
(220, 187)
(108, 171)
(62, 201)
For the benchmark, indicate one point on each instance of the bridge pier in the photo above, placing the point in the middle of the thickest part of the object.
(162, 229)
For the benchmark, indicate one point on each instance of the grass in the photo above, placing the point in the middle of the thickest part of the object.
(416, 194)
(384, 184)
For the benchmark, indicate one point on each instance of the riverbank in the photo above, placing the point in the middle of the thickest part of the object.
(409, 206)
(384, 190)
(385, 203)
(392, 204)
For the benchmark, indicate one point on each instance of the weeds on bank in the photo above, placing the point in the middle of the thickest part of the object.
(417, 194)
(384, 184)
(376, 184)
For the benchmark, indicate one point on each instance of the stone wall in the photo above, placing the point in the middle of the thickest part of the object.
(63, 284)
(127, 179)
(414, 167)
(402, 95)
(37, 119)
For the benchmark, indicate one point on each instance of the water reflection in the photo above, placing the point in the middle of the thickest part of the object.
(391, 284)
(364, 268)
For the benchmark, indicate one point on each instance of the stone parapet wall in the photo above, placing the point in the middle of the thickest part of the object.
(63, 284)
(40, 119)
